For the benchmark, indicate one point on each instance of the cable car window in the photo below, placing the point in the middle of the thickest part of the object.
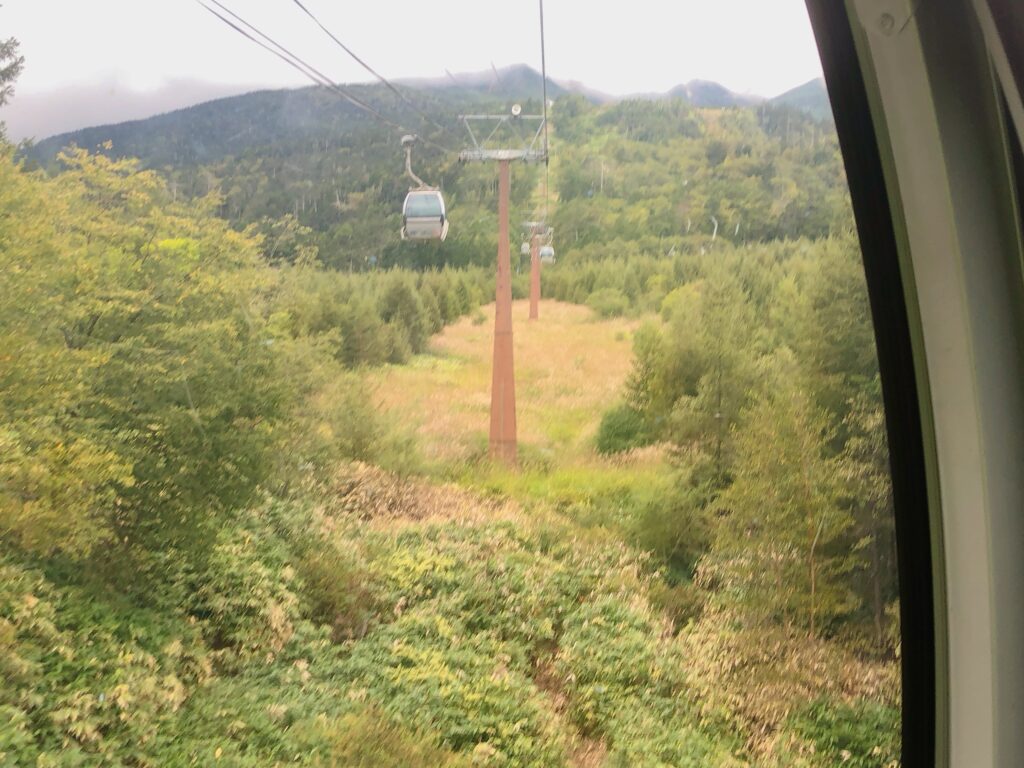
(296, 468)
(423, 205)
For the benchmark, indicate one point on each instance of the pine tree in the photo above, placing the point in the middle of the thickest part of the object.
(865, 461)
(11, 65)
(774, 550)
(725, 338)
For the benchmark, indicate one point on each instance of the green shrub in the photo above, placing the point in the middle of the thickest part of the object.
(368, 739)
(673, 528)
(265, 713)
(487, 578)
(363, 338)
(864, 735)
(521, 285)
(339, 421)
(681, 603)
(428, 672)
(400, 305)
(246, 595)
(654, 733)
(431, 310)
(610, 651)
(400, 349)
(625, 684)
(349, 422)
(337, 590)
(141, 397)
(87, 679)
(621, 429)
(445, 295)
(465, 296)
(608, 302)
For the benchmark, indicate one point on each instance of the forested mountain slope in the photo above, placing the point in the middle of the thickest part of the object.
(628, 169)
(810, 97)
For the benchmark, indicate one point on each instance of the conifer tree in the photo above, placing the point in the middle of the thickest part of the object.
(775, 549)
(11, 64)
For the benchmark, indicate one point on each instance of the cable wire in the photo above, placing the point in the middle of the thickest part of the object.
(306, 69)
(289, 58)
(544, 79)
(544, 88)
(370, 69)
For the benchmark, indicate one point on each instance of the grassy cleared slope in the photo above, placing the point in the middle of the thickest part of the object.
(570, 367)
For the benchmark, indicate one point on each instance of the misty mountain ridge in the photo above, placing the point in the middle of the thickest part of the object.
(110, 101)
(522, 79)
(54, 114)
(811, 97)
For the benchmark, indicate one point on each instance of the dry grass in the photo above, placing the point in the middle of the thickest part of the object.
(570, 367)
(380, 499)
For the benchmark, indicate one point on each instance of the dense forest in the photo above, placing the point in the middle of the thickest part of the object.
(220, 546)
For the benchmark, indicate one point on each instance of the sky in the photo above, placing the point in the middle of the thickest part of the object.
(133, 47)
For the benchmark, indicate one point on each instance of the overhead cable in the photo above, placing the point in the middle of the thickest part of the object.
(305, 68)
(368, 68)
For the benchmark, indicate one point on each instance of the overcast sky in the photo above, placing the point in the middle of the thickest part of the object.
(751, 46)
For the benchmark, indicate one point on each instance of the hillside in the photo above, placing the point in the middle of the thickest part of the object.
(268, 118)
(703, 93)
(224, 127)
(272, 116)
(213, 130)
(627, 170)
(569, 366)
(517, 82)
(811, 97)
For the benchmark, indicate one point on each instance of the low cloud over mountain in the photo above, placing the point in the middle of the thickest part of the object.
(38, 116)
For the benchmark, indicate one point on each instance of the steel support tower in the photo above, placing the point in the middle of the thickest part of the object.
(503, 441)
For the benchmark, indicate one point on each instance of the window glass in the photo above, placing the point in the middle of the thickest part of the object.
(278, 486)
(423, 205)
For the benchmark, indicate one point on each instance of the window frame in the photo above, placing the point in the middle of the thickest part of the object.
(925, 138)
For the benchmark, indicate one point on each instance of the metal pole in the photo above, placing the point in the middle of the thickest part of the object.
(544, 86)
(407, 142)
(534, 275)
(503, 444)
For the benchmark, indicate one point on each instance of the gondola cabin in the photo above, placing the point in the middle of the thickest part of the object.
(424, 216)
(547, 254)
